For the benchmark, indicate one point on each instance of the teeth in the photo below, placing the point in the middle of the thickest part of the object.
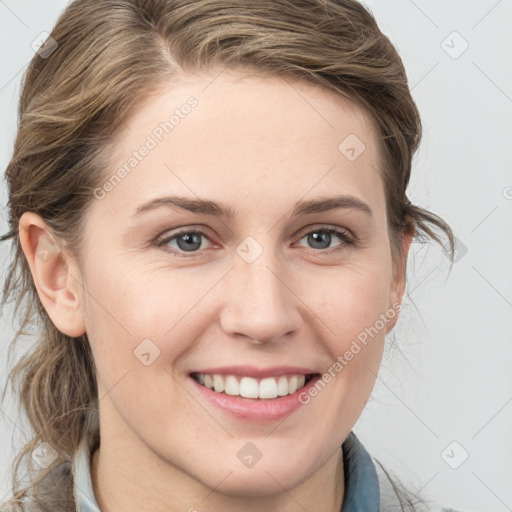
(268, 388)
(218, 383)
(292, 385)
(282, 386)
(232, 387)
(248, 387)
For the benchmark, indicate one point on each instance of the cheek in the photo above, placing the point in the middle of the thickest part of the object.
(355, 301)
(132, 312)
(356, 308)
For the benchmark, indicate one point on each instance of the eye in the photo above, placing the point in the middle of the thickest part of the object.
(190, 242)
(185, 241)
(322, 237)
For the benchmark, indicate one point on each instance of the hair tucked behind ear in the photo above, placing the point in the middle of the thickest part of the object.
(111, 54)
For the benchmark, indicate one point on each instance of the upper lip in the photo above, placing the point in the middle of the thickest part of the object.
(257, 373)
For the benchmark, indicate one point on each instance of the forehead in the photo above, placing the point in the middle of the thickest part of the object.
(244, 135)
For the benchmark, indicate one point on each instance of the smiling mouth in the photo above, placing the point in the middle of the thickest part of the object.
(250, 387)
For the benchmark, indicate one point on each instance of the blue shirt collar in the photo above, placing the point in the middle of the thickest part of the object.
(361, 481)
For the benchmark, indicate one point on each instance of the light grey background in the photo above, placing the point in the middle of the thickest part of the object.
(450, 379)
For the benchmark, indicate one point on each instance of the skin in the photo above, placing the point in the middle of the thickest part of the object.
(259, 145)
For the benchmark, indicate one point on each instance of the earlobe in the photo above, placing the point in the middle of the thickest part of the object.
(55, 275)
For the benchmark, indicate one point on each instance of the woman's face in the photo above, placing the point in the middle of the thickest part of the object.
(264, 295)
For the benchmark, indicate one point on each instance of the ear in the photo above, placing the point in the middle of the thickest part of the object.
(399, 276)
(55, 275)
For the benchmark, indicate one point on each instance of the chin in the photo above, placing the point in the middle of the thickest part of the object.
(261, 480)
(249, 484)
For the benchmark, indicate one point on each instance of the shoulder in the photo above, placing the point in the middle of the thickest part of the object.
(395, 497)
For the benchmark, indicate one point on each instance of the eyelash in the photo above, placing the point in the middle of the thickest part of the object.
(346, 240)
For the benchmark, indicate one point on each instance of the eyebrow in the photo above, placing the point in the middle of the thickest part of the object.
(207, 207)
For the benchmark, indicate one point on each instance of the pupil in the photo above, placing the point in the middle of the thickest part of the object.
(192, 242)
(316, 238)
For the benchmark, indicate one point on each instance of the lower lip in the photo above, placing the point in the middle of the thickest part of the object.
(256, 410)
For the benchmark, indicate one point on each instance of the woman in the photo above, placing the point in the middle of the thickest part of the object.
(210, 221)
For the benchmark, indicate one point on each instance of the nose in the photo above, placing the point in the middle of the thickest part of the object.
(260, 304)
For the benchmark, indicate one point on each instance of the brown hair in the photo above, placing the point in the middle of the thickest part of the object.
(112, 54)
